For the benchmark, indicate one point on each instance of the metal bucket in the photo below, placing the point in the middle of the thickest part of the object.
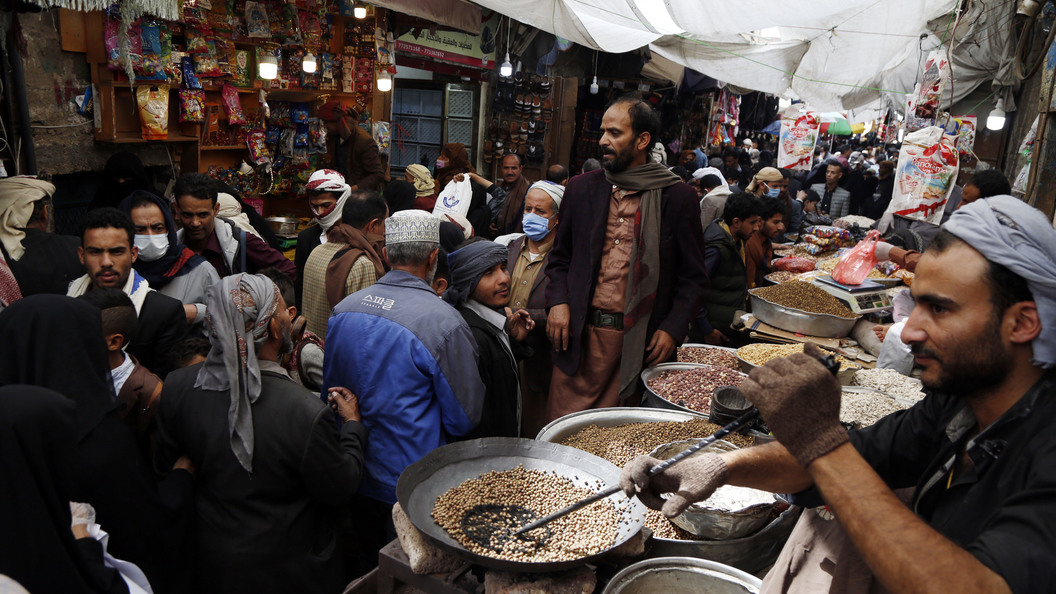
(674, 575)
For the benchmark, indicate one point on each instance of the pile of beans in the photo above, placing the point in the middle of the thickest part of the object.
(805, 297)
(889, 382)
(692, 388)
(716, 357)
(866, 409)
(623, 443)
(759, 353)
(585, 532)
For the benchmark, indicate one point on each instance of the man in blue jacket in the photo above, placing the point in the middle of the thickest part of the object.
(412, 361)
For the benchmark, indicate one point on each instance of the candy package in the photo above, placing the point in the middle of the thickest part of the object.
(153, 105)
(196, 43)
(190, 79)
(232, 105)
(924, 103)
(257, 24)
(192, 105)
(258, 150)
(280, 115)
(271, 136)
(964, 130)
(299, 113)
(316, 136)
(286, 142)
(205, 64)
(831, 233)
(799, 133)
(924, 178)
(300, 137)
(242, 75)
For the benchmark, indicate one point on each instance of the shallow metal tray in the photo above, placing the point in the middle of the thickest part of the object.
(799, 321)
(438, 471)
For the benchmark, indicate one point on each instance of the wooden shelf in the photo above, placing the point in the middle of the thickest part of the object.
(141, 140)
(234, 147)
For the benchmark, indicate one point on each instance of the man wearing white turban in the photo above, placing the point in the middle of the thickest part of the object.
(978, 448)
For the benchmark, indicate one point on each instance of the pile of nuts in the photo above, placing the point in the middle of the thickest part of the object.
(583, 533)
(864, 409)
(708, 356)
(760, 353)
(623, 443)
(781, 276)
(692, 388)
(889, 382)
(805, 297)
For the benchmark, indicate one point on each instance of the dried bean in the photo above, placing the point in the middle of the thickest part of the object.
(706, 356)
(805, 297)
(692, 388)
(759, 353)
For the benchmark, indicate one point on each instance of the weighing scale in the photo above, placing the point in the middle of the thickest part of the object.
(865, 298)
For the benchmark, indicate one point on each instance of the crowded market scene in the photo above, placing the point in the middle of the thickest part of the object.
(510, 296)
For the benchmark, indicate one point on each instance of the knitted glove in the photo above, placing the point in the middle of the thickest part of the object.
(883, 251)
(800, 401)
(689, 481)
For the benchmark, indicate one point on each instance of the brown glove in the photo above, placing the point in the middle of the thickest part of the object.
(689, 481)
(800, 401)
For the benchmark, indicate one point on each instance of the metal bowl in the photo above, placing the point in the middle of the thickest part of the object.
(697, 345)
(799, 321)
(423, 482)
(682, 574)
(653, 400)
(283, 225)
(712, 523)
(570, 424)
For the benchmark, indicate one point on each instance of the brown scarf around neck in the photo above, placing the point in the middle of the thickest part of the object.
(359, 244)
(509, 220)
(649, 179)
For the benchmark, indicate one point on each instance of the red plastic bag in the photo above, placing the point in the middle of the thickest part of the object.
(792, 264)
(856, 264)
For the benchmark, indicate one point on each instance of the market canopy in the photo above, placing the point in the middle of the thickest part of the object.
(834, 54)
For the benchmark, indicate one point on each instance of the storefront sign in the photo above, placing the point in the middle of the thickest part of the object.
(455, 47)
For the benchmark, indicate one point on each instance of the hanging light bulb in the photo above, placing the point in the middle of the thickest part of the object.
(594, 86)
(996, 119)
(359, 10)
(384, 82)
(506, 68)
(268, 68)
(308, 64)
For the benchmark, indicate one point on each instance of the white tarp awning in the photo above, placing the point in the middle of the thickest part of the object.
(457, 14)
(837, 55)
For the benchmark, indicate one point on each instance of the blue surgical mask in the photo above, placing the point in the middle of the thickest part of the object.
(773, 192)
(535, 226)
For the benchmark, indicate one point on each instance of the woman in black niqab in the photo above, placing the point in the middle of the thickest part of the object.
(123, 174)
(56, 342)
(38, 550)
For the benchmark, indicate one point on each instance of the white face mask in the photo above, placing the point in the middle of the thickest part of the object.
(152, 247)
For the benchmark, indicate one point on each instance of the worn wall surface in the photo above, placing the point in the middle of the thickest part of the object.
(62, 137)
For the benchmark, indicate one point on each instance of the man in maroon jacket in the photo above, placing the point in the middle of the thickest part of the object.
(626, 270)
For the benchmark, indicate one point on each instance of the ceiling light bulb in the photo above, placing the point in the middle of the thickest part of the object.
(384, 82)
(308, 64)
(268, 68)
(359, 11)
(594, 86)
(996, 119)
(506, 68)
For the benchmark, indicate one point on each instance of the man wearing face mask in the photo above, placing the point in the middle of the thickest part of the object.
(327, 193)
(170, 267)
(528, 257)
(771, 183)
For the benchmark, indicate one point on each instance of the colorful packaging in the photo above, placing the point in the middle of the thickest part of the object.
(192, 105)
(799, 133)
(965, 133)
(153, 105)
(299, 113)
(257, 24)
(233, 106)
(242, 76)
(927, 168)
(316, 136)
(258, 150)
(924, 103)
(190, 79)
(271, 136)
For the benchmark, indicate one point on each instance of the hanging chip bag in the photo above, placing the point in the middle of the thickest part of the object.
(799, 133)
(927, 168)
(153, 111)
(192, 105)
(233, 106)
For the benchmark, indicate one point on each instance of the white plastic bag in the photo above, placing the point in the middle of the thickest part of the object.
(927, 168)
(454, 198)
(799, 134)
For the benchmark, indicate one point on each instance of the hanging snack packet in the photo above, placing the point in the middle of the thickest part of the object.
(316, 136)
(300, 138)
(190, 79)
(192, 106)
(257, 24)
(799, 134)
(927, 168)
(196, 41)
(153, 111)
(299, 113)
(205, 63)
(271, 137)
(233, 106)
(258, 151)
(924, 104)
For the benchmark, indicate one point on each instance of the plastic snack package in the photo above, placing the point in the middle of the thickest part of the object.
(924, 178)
(153, 102)
(799, 133)
(232, 105)
(192, 105)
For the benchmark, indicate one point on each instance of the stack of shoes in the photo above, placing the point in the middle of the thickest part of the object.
(523, 110)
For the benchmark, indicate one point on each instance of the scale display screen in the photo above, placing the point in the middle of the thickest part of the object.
(864, 298)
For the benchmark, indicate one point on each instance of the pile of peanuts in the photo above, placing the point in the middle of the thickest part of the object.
(585, 532)
(708, 356)
(692, 388)
(759, 353)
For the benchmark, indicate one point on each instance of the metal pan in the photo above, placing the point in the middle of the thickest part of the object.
(653, 400)
(424, 481)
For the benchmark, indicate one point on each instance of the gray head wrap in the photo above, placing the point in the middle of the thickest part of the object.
(239, 308)
(556, 191)
(1009, 232)
(468, 265)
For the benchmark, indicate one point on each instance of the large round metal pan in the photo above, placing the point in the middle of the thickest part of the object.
(799, 321)
(653, 400)
(424, 481)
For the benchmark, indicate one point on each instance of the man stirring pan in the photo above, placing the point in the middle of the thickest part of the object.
(979, 448)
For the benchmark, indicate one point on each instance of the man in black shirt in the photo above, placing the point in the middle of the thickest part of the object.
(979, 449)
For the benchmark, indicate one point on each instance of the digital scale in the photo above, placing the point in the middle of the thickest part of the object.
(865, 298)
